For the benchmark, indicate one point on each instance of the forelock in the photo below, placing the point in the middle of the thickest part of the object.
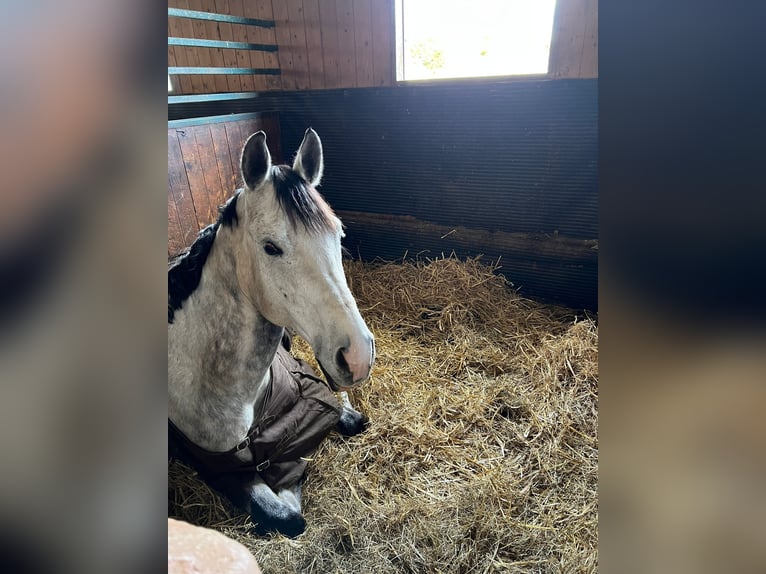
(301, 202)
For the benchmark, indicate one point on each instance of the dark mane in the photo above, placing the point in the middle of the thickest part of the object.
(227, 213)
(301, 202)
(185, 269)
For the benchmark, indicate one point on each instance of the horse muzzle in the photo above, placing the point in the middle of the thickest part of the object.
(352, 364)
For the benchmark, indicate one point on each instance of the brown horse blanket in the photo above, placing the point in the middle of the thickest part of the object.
(297, 414)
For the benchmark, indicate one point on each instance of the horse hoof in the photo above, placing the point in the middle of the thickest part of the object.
(352, 423)
(291, 526)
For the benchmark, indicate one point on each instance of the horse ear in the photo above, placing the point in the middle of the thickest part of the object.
(256, 160)
(308, 161)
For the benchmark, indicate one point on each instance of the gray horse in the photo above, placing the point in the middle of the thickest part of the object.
(271, 262)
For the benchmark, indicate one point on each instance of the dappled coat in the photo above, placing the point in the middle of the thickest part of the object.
(298, 413)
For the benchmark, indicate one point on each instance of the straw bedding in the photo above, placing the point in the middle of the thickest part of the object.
(482, 451)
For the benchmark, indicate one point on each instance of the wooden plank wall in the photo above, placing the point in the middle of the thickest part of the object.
(218, 57)
(574, 42)
(203, 171)
(322, 44)
(339, 44)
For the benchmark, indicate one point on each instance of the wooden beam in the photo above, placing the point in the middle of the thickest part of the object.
(298, 42)
(574, 40)
(314, 43)
(245, 58)
(363, 40)
(449, 238)
(346, 43)
(207, 57)
(284, 41)
(589, 59)
(328, 22)
(264, 10)
(383, 43)
(226, 31)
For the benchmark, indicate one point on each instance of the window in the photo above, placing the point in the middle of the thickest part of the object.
(472, 38)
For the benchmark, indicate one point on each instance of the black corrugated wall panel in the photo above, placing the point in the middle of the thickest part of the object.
(517, 157)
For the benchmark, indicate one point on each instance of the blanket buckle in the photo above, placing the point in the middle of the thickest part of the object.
(243, 445)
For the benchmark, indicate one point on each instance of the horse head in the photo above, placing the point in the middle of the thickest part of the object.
(292, 267)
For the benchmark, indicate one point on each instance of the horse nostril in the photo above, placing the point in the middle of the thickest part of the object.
(341, 360)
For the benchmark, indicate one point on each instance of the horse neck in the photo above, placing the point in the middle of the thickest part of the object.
(235, 348)
(239, 317)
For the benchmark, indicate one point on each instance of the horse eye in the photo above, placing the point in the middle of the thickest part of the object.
(272, 249)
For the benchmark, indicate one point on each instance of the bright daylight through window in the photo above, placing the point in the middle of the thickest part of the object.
(462, 39)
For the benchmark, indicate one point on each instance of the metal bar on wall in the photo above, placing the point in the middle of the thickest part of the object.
(185, 123)
(197, 15)
(198, 98)
(238, 71)
(198, 43)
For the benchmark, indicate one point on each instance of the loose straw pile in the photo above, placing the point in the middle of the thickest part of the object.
(482, 450)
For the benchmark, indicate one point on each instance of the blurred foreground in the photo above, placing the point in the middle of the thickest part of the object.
(82, 259)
